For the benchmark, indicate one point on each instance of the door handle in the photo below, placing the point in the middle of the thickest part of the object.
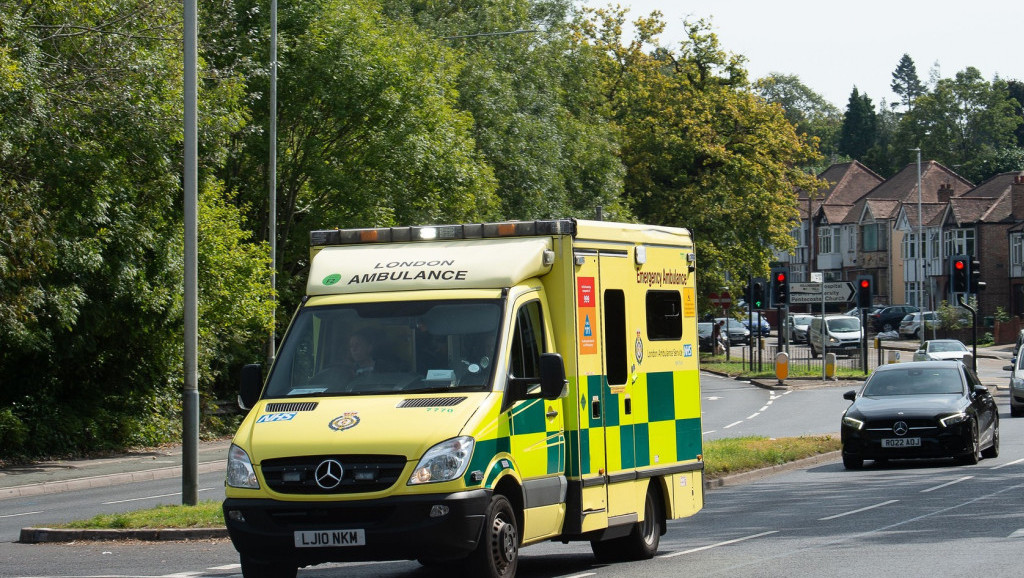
(595, 407)
(551, 414)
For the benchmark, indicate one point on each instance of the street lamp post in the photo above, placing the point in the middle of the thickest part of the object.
(921, 248)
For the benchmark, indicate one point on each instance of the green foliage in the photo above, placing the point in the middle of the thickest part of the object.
(905, 82)
(860, 126)
(805, 109)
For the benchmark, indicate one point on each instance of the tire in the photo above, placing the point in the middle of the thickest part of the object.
(497, 553)
(641, 543)
(974, 456)
(814, 352)
(1016, 411)
(852, 463)
(252, 568)
(887, 327)
(993, 450)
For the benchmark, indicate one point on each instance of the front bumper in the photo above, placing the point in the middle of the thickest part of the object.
(396, 528)
(935, 443)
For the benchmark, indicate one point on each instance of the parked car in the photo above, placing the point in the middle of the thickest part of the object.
(910, 326)
(923, 409)
(1016, 370)
(761, 325)
(936, 349)
(734, 330)
(842, 335)
(855, 312)
(704, 330)
(888, 318)
(798, 325)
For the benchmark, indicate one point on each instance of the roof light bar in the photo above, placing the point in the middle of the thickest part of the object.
(433, 232)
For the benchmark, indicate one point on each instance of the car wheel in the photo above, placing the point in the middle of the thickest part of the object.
(814, 352)
(852, 463)
(887, 327)
(974, 456)
(641, 543)
(252, 568)
(497, 552)
(1016, 411)
(993, 450)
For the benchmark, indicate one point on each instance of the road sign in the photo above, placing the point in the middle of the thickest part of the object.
(722, 299)
(835, 292)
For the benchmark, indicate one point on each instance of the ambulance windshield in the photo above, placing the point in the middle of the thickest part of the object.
(377, 348)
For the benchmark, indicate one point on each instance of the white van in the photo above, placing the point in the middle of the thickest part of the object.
(842, 335)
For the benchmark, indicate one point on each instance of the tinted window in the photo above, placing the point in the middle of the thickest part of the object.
(916, 381)
(664, 315)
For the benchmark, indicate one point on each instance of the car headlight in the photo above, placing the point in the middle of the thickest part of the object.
(853, 422)
(1017, 383)
(953, 419)
(833, 340)
(240, 471)
(444, 462)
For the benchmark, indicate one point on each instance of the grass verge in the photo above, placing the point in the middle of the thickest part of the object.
(721, 457)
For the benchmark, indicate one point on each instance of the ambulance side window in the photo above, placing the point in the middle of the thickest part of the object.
(664, 315)
(615, 336)
(527, 341)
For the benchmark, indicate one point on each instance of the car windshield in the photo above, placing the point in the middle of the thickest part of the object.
(945, 346)
(914, 381)
(843, 325)
(801, 320)
(372, 348)
(704, 328)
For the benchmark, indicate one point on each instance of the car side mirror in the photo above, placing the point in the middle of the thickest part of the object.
(981, 389)
(1007, 368)
(850, 395)
(552, 382)
(251, 385)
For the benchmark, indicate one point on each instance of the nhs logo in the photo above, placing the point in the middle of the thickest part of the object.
(269, 417)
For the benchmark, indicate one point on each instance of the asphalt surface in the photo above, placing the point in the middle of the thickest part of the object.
(151, 464)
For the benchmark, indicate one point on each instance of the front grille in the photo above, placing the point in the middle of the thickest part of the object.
(431, 402)
(362, 473)
(291, 406)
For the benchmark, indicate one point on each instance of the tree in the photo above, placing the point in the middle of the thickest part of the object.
(860, 125)
(962, 120)
(702, 151)
(805, 109)
(905, 82)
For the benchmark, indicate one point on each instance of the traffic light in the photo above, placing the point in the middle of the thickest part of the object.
(974, 277)
(780, 286)
(757, 293)
(865, 291)
(959, 273)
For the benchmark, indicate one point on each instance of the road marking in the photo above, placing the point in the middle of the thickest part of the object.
(1017, 534)
(858, 510)
(763, 408)
(582, 575)
(21, 514)
(225, 567)
(726, 543)
(963, 479)
(1014, 462)
(752, 416)
(151, 497)
(708, 432)
(732, 424)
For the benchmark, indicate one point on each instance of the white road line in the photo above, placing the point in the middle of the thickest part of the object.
(763, 408)
(582, 575)
(752, 416)
(151, 497)
(708, 432)
(963, 479)
(225, 567)
(1017, 534)
(732, 424)
(1014, 462)
(858, 511)
(21, 514)
(726, 543)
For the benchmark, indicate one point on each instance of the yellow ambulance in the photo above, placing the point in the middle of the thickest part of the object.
(450, 394)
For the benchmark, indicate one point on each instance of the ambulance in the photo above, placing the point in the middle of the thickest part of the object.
(451, 394)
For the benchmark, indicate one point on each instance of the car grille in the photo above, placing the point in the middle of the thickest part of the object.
(361, 473)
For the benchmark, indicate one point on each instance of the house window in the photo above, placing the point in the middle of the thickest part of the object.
(1017, 249)
(828, 240)
(960, 242)
(875, 237)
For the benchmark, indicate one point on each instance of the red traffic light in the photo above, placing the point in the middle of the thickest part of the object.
(781, 277)
(959, 264)
(865, 283)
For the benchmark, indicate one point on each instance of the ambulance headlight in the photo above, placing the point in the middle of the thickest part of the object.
(240, 471)
(444, 462)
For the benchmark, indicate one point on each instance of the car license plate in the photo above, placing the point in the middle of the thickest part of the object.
(329, 538)
(901, 442)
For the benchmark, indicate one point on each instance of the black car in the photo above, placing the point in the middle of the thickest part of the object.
(888, 318)
(704, 331)
(920, 409)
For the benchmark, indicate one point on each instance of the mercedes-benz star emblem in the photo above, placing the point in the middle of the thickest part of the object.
(328, 474)
(899, 428)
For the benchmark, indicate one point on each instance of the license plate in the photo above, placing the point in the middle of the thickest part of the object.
(901, 442)
(329, 538)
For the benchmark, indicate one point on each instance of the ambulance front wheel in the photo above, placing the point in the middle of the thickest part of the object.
(252, 568)
(497, 553)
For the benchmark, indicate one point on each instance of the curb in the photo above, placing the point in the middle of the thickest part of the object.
(50, 535)
(755, 475)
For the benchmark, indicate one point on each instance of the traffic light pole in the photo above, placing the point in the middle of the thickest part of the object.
(974, 330)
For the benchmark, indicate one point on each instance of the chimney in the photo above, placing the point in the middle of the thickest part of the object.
(945, 193)
(1017, 197)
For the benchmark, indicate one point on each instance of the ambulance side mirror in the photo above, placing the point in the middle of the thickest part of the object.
(251, 384)
(551, 381)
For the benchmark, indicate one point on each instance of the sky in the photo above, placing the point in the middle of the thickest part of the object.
(834, 46)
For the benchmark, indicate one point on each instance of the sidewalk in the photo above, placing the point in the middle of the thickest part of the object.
(133, 466)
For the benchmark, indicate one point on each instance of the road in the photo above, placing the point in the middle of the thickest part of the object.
(897, 520)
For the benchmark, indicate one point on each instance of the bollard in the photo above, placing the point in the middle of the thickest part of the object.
(782, 366)
(830, 366)
(893, 357)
